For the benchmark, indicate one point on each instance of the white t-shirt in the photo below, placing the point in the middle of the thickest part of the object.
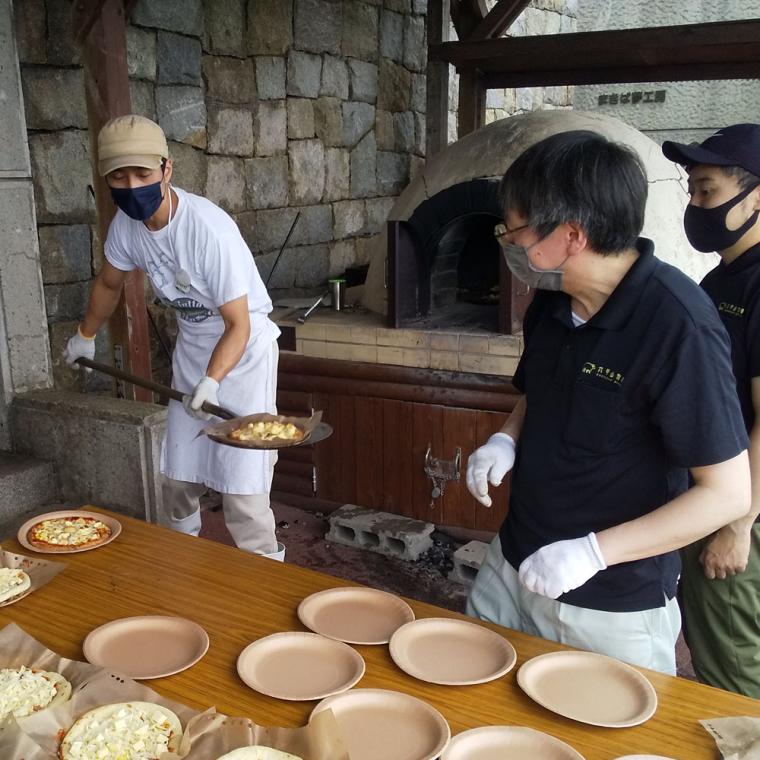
(205, 245)
(201, 240)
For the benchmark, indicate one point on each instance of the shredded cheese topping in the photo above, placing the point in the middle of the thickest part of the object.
(131, 733)
(267, 431)
(11, 579)
(69, 531)
(22, 691)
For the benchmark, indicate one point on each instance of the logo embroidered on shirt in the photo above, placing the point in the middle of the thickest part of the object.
(603, 373)
(730, 308)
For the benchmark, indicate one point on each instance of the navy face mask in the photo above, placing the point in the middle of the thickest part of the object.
(706, 227)
(138, 202)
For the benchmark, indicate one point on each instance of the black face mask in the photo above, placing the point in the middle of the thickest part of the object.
(706, 227)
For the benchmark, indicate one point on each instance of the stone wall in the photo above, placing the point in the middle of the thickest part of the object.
(24, 350)
(540, 17)
(270, 106)
(684, 111)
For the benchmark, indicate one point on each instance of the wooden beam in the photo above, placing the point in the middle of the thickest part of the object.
(99, 25)
(466, 15)
(437, 94)
(472, 102)
(85, 14)
(129, 6)
(690, 52)
(498, 19)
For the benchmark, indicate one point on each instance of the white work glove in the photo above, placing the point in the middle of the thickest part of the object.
(79, 345)
(560, 567)
(489, 464)
(206, 390)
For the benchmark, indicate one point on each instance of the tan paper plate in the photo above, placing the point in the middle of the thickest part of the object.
(148, 646)
(113, 524)
(355, 615)
(451, 652)
(299, 666)
(507, 743)
(589, 688)
(378, 725)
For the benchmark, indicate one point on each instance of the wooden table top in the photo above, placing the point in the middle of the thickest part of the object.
(239, 597)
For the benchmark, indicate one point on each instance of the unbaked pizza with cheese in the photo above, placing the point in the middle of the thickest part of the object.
(74, 532)
(24, 691)
(257, 753)
(123, 731)
(13, 583)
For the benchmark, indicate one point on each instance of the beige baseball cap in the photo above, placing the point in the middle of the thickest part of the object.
(130, 140)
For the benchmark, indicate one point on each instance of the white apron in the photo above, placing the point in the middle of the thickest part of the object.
(196, 262)
(248, 388)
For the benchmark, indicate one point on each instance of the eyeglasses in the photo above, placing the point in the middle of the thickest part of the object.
(500, 230)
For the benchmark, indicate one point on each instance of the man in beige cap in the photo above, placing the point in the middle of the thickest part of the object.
(226, 351)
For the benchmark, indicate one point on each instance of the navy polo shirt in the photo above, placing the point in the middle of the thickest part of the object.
(617, 411)
(735, 290)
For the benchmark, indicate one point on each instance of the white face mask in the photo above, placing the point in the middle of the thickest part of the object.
(519, 264)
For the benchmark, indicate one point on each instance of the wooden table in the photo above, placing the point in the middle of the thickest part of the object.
(238, 597)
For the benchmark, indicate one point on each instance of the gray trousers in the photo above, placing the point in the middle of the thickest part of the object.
(248, 517)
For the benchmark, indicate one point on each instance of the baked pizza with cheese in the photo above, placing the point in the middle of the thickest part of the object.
(74, 532)
(123, 731)
(257, 753)
(271, 430)
(13, 583)
(24, 691)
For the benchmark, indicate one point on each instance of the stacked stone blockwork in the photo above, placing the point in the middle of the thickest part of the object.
(270, 107)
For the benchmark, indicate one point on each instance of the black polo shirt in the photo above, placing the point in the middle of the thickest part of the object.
(618, 409)
(735, 290)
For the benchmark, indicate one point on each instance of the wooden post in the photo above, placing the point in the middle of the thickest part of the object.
(437, 119)
(100, 30)
(472, 101)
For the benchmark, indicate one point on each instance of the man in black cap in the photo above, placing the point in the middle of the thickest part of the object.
(720, 586)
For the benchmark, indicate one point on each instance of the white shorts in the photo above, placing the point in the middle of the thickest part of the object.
(646, 638)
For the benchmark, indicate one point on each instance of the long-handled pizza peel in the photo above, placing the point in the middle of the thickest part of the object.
(319, 433)
(143, 382)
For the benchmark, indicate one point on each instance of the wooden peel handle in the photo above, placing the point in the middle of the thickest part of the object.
(164, 390)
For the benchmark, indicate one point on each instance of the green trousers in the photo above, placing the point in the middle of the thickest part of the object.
(722, 621)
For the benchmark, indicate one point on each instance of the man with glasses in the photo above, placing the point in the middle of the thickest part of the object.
(720, 587)
(627, 389)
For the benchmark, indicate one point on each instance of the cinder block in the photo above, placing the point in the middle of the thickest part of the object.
(381, 532)
(467, 561)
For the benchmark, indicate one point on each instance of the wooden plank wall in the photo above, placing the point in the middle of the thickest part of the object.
(384, 419)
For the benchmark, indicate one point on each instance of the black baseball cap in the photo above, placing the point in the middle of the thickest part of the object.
(738, 145)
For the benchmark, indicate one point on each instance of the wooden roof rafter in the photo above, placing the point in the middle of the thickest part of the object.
(473, 21)
(689, 52)
(466, 15)
(498, 19)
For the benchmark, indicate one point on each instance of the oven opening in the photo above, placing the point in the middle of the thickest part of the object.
(464, 277)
